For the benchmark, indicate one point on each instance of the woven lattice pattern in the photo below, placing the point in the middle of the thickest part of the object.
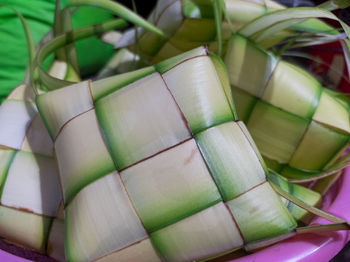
(189, 24)
(158, 167)
(292, 119)
(285, 109)
(30, 194)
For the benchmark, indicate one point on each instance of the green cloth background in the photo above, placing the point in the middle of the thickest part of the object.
(92, 52)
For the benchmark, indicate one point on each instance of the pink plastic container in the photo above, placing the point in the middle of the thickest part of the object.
(319, 247)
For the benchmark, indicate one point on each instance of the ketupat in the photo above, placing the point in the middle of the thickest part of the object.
(50, 240)
(191, 23)
(27, 162)
(161, 119)
(30, 195)
(145, 124)
(269, 24)
(286, 110)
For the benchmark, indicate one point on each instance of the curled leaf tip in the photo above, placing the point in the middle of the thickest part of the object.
(119, 10)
